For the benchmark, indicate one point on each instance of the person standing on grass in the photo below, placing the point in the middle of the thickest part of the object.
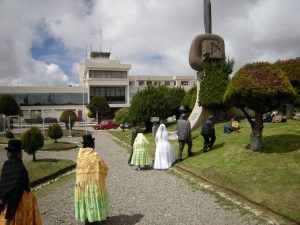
(91, 199)
(184, 133)
(140, 156)
(164, 153)
(134, 131)
(18, 205)
(208, 133)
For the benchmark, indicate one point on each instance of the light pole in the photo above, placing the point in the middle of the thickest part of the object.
(83, 106)
(3, 123)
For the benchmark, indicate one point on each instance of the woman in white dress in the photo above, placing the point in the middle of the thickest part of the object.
(164, 153)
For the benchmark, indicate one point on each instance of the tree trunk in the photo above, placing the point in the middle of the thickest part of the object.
(33, 156)
(256, 135)
(289, 110)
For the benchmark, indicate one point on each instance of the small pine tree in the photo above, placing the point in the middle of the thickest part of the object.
(32, 140)
(55, 132)
(9, 134)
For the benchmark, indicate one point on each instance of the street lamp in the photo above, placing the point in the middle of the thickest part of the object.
(83, 106)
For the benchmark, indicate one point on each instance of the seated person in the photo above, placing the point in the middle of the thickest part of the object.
(234, 125)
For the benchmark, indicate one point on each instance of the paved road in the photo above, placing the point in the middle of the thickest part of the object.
(142, 197)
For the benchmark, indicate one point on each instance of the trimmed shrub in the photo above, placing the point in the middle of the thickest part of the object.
(9, 134)
(55, 132)
(32, 140)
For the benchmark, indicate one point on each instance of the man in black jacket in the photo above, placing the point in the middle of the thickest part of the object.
(208, 133)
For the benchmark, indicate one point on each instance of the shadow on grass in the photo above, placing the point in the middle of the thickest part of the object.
(122, 220)
(281, 143)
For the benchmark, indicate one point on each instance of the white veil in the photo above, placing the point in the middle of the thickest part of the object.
(161, 133)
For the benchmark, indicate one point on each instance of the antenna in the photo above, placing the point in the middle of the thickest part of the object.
(86, 54)
(100, 38)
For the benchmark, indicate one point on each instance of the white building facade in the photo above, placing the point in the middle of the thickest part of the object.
(98, 76)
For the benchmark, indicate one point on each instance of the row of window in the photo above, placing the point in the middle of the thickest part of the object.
(32, 99)
(156, 83)
(113, 95)
(107, 74)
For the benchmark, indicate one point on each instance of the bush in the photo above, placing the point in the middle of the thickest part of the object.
(55, 132)
(32, 140)
(9, 134)
(65, 115)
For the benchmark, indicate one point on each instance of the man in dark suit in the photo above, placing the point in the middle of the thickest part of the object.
(208, 133)
(184, 135)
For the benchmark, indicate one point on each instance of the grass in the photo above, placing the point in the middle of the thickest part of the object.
(42, 168)
(270, 177)
(50, 145)
(55, 185)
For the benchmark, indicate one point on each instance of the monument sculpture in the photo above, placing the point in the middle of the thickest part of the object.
(204, 48)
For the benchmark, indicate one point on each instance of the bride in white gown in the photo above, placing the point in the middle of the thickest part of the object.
(164, 153)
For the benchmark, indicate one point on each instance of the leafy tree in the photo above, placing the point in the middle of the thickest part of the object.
(154, 101)
(174, 96)
(262, 88)
(99, 105)
(68, 116)
(214, 83)
(189, 99)
(55, 132)
(32, 140)
(9, 106)
(123, 116)
(291, 67)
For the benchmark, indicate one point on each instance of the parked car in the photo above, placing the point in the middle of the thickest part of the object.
(125, 126)
(106, 124)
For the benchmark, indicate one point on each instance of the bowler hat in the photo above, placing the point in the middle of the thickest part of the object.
(87, 138)
(14, 145)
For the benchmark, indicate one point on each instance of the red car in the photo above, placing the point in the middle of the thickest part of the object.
(106, 124)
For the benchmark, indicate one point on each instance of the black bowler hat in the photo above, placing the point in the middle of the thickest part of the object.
(14, 146)
(87, 138)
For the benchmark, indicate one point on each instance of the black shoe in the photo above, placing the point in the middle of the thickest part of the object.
(191, 154)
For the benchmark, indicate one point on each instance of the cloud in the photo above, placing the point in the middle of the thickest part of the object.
(154, 36)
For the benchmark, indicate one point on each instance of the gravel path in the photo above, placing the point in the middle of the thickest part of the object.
(141, 197)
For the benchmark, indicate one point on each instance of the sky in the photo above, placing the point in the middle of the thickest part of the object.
(42, 42)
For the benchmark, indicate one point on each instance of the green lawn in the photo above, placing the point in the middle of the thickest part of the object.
(50, 145)
(44, 169)
(270, 177)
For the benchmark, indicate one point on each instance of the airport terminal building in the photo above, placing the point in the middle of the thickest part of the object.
(99, 76)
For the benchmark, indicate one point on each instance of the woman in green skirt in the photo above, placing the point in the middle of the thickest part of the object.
(140, 156)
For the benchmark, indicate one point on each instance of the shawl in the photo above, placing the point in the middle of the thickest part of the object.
(14, 180)
(91, 168)
(140, 141)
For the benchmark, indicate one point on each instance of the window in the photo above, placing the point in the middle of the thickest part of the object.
(107, 74)
(184, 82)
(141, 83)
(167, 83)
(131, 83)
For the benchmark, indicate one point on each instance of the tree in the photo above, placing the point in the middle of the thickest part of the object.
(214, 83)
(55, 132)
(99, 106)
(291, 67)
(32, 140)
(123, 116)
(174, 96)
(9, 106)
(189, 99)
(154, 101)
(262, 88)
(68, 116)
